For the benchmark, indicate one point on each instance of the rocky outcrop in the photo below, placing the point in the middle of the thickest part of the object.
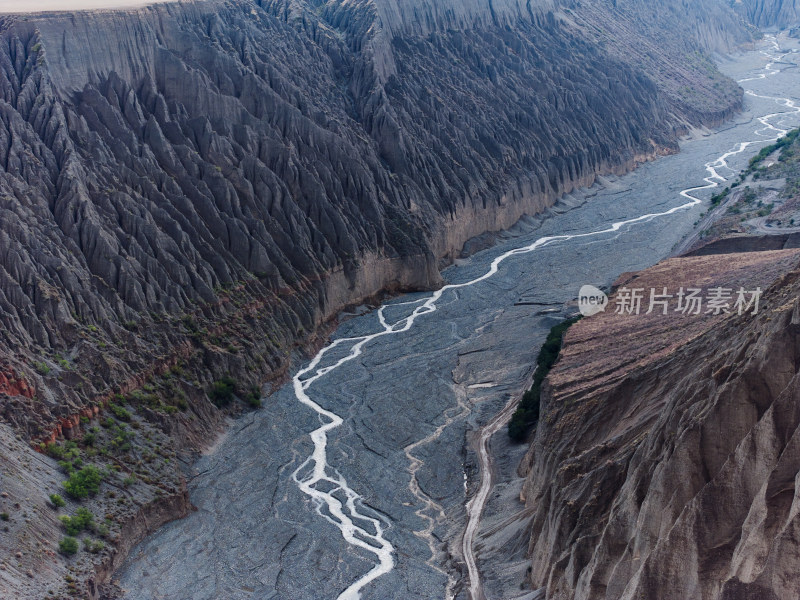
(12, 384)
(665, 461)
(770, 13)
(189, 190)
(147, 519)
(319, 154)
(748, 243)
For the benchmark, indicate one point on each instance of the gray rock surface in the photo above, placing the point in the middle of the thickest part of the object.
(153, 157)
(256, 535)
(770, 13)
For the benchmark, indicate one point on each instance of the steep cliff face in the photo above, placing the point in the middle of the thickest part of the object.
(187, 190)
(769, 13)
(666, 460)
(306, 155)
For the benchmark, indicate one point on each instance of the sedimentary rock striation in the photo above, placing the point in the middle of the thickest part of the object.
(665, 462)
(187, 190)
(770, 13)
(312, 155)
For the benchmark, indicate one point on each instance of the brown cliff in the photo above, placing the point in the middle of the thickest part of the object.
(665, 462)
(189, 191)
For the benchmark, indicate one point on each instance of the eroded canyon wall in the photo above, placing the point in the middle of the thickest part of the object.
(189, 190)
(287, 158)
(770, 13)
(666, 459)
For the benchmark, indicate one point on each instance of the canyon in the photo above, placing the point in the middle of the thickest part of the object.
(193, 193)
(296, 158)
(410, 384)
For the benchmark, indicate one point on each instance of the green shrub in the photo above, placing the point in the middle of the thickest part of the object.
(66, 466)
(4, 516)
(53, 450)
(716, 199)
(254, 398)
(101, 529)
(57, 501)
(66, 521)
(222, 391)
(518, 426)
(68, 545)
(93, 546)
(41, 368)
(782, 144)
(82, 519)
(83, 483)
(121, 413)
(68, 451)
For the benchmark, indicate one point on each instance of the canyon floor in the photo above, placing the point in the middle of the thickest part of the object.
(256, 534)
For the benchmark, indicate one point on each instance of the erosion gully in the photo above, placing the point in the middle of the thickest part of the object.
(383, 470)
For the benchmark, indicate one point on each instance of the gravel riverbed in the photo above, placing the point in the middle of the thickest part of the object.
(257, 535)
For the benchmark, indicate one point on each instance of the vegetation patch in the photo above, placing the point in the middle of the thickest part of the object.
(82, 519)
(84, 483)
(222, 391)
(93, 546)
(41, 368)
(527, 415)
(121, 413)
(782, 143)
(68, 545)
(756, 200)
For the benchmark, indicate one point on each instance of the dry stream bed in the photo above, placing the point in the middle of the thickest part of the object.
(401, 465)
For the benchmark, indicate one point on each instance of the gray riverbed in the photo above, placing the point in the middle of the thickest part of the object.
(257, 535)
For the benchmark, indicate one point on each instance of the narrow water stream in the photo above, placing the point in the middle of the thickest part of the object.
(350, 482)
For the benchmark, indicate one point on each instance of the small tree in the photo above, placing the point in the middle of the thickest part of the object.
(68, 545)
(82, 519)
(84, 483)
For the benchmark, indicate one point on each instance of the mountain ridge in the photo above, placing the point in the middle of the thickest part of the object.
(191, 192)
(680, 486)
(113, 126)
